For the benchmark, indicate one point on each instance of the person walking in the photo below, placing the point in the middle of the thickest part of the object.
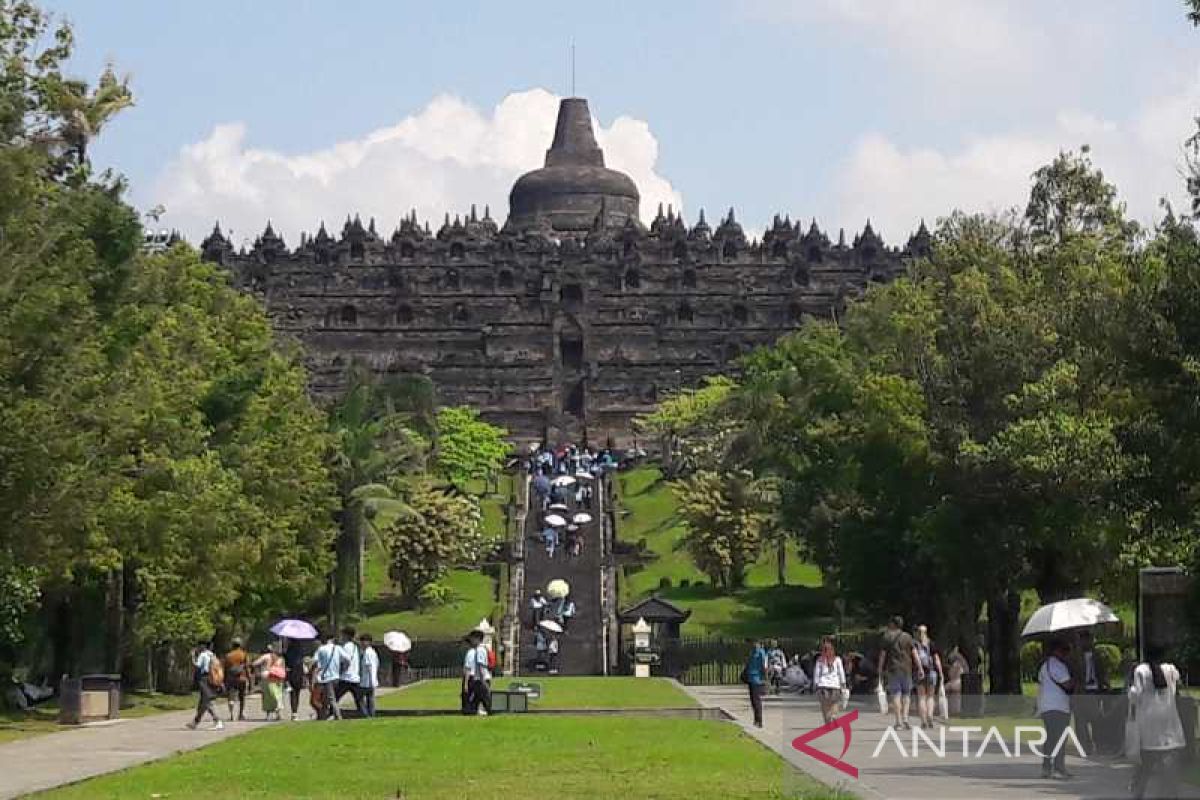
(327, 668)
(477, 678)
(539, 647)
(776, 664)
(537, 607)
(829, 678)
(897, 656)
(552, 651)
(237, 678)
(1055, 685)
(293, 660)
(754, 675)
(209, 677)
(956, 666)
(1153, 692)
(272, 673)
(350, 678)
(369, 678)
(930, 662)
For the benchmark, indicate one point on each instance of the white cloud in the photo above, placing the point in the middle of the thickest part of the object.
(896, 185)
(441, 159)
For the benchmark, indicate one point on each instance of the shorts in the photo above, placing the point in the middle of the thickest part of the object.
(930, 679)
(829, 695)
(900, 683)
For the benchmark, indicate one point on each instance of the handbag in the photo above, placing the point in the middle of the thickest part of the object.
(845, 698)
(881, 696)
(277, 672)
(943, 705)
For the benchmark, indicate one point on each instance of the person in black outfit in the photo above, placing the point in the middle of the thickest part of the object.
(293, 658)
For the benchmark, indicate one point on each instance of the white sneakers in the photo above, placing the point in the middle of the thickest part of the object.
(218, 726)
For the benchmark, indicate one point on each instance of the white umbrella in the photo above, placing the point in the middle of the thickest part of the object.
(558, 506)
(581, 518)
(485, 626)
(555, 520)
(395, 640)
(585, 476)
(551, 625)
(563, 480)
(1082, 612)
(558, 588)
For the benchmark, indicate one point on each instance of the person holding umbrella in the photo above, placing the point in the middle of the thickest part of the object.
(1055, 685)
(294, 633)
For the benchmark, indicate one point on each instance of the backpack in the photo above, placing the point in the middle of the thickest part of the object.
(216, 673)
(491, 659)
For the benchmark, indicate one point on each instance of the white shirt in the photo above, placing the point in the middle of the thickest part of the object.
(829, 677)
(203, 661)
(1051, 696)
(475, 664)
(327, 657)
(1154, 709)
(352, 672)
(370, 668)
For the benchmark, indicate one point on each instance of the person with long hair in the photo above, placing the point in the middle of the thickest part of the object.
(829, 678)
(931, 671)
(272, 672)
(1152, 694)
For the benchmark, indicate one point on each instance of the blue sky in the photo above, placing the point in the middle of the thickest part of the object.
(837, 109)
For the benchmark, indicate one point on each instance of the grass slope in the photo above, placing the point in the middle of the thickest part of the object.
(448, 758)
(801, 607)
(473, 594)
(557, 693)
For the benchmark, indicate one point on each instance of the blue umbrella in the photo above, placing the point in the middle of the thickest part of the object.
(294, 629)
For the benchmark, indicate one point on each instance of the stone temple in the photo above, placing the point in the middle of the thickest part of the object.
(571, 318)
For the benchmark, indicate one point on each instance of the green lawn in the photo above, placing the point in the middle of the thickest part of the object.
(517, 757)
(557, 693)
(44, 718)
(800, 608)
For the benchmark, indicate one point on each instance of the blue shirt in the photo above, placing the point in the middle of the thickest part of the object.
(756, 667)
(328, 657)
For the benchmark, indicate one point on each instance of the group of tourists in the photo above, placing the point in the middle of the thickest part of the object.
(547, 641)
(339, 666)
(1072, 683)
(569, 459)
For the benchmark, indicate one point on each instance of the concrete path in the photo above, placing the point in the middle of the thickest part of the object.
(54, 759)
(924, 776)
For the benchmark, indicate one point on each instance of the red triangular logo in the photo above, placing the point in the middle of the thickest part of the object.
(801, 743)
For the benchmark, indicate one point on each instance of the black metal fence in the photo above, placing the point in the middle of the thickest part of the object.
(714, 660)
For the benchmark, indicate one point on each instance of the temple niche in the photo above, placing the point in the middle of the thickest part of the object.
(573, 316)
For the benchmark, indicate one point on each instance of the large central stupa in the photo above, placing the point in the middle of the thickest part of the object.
(574, 185)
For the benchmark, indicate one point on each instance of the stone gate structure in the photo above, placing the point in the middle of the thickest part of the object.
(570, 319)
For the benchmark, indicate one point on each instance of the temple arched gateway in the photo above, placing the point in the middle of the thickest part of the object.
(573, 316)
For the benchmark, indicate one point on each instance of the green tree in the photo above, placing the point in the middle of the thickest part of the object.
(466, 446)
(725, 516)
(443, 530)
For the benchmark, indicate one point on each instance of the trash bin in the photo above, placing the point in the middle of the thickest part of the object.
(89, 698)
(972, 694)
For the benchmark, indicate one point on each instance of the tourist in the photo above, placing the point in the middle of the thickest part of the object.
(205, 663)
(550, 537)
(537, 607)
(1055, 685)
(930, 662)
(541, 488)
(552, 654)
(776, 664)
(956, 667)
(350, 678)
(795, 679)
(1087, 702)
(829, 678)
(477, 678)
(539, 645)
(237, 678)
(327, 668)
(897, 656)
(294, 653)
(566, 612)
(272, 673)
(1153, 692)
(754, 675)
(369, 678)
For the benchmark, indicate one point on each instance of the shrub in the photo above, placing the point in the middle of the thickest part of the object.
(685, 583)
(664, 582)
(1109, 657)
(1031, 659)
(435, 593)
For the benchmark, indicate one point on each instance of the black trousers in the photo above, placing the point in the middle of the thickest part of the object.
(1164, 767)
(478, 694)
(756, 700)
(1056, 723)
(355, 691)
(207, 693)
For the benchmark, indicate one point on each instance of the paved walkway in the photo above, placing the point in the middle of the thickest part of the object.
(53, 759)
(925, 776)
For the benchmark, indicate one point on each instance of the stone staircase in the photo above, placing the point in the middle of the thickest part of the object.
(581, 650)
